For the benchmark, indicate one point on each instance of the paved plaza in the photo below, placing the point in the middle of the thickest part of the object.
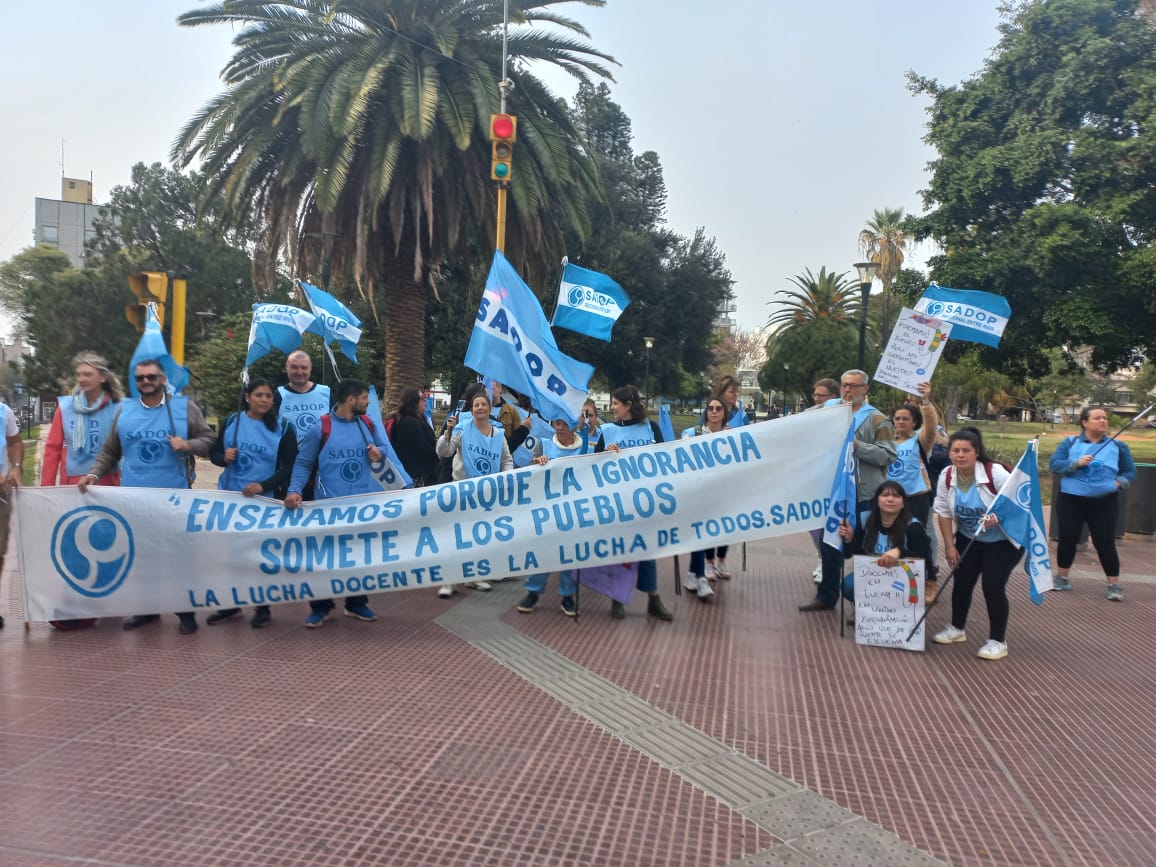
(461, 732)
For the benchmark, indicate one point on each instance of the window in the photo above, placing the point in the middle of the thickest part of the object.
(49, 235)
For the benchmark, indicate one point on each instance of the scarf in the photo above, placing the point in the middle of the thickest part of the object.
(78, 442)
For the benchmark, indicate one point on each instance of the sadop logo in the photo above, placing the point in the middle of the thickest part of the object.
(244, 462)
(1024, 494)
(575, 296)
(934, 308)
(304, 422)
(150, 451)
(352, 471)
(92, 550)
(482, 467)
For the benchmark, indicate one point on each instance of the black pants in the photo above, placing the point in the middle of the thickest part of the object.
(833, 564)
(991, 563)
(1100, 514)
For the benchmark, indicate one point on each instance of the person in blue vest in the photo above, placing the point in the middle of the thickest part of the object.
(890, 532)
(632, 428)
(154, 438)
(11, 474)
(564, 444)
(1092, 471)
(697, 579)
(478, 447)
(79, 428)
(257, 448)
(303, 401)
(338, 451)
(874, 446)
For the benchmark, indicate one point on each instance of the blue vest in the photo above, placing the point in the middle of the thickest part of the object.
(147, 459)
(303, 410)
(552, 450)
(629, 435)
(969, 509)
(256, 452)
(908, 468)
(77, 463)
(342, 464)
(481, 454)
(1097, 479)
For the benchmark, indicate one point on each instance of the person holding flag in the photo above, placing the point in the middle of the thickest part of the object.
(303, 401)
(1093, 470)
(976, 548)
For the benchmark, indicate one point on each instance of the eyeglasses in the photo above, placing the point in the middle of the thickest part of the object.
(147, 377)
(714, 408)
(852, 385)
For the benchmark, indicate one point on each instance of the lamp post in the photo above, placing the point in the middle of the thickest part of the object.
(649, 341)
(866, 275)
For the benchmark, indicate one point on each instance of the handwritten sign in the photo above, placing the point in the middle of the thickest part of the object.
(913, 351)
(888, 602)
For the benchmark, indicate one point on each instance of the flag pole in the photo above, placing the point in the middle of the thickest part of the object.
(558, 297)
(1131, 422)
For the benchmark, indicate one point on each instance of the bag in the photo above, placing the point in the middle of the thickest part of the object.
(389, 427)
(936, 462)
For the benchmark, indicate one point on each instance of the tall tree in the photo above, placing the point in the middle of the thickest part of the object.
(366, 125)
(826, 296)
(883, 241)
(1044, 187)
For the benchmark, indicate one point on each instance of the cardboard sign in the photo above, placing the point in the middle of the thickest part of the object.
(913, 351)
(888, 602)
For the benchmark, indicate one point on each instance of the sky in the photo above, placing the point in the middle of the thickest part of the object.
(780, 126)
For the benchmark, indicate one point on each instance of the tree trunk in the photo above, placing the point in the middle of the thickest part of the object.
(404, 323)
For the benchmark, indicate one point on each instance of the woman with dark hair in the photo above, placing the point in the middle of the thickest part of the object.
(632, 428)
(697, 577)
(413, 439)
(975, 546)
(891, 532)
(727, 391)
(257, 451)
(1092, 470)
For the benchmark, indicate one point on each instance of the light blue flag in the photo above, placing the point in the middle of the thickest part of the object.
(152, 348)
(389, 472)
(843, 494)
(278, 326)
(664, 423)
(1021, 517)
(429, 403)
(512, 343)
(336, 321)
(540, 429)
(589, 302)
(739, 419)
(978, 317)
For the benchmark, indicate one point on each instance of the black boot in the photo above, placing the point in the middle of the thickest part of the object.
(221, 616)
(139, 620)
(188, 623)
(655, 608)
(261, 617)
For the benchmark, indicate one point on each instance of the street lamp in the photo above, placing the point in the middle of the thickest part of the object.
(866, 276)
(649, 341)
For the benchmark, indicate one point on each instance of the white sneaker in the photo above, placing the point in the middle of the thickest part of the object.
(705, 591)
(818, 573)
(690, 583)
(484, 586)
(720, 570)
(446, 591)
(949, 635)
(993, 650)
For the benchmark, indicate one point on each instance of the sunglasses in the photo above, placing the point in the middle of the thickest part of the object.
(147, 377)
(714, 408)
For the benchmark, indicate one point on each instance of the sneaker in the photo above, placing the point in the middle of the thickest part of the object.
(721, 571)
(993, 650)
(1115, 593)
(222, 615)
(617, 609)
(930, 591)
(316, 619)
(529, 602)
(817, 575)
(1061, 583)
(261, 617)
(704, 590)
(690, 582)
(361, 612)
(569, 607)
(949, 635)
(446, 591)
(484, 586)
(188, 624)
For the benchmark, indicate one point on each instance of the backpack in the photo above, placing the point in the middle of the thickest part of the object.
(987, 465)
(327, 427)
(389, 422)
(936, 462)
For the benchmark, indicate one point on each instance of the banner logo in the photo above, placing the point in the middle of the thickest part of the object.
(934, 308)
(1024, 494)
(92, 550)
(352, 471)
(303, 422)
(150, 451)
(244, 462)
(575, 296)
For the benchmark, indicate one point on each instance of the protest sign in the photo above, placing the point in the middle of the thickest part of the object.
(889, 600)
(913, 351)
(616, 581)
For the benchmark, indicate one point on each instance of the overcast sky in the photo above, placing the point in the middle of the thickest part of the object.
(780, 126)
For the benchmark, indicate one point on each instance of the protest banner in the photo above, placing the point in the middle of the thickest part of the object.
(118, 551)
(913, 351)
(978, 317)
(889, 600)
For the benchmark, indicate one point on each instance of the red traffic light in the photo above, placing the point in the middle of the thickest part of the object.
(502, 126)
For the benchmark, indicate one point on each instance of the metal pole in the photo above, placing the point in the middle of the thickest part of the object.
(865, 288)
(500, 239)
(503, 87)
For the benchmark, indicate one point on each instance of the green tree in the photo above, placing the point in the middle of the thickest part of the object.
(884, 241)
(799, 355)
(826, 296)
(1044, 187)
(366, 125)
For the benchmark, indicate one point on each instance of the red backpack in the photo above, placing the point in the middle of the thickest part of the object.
(327, 427)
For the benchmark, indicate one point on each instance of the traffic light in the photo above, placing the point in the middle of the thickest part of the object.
(503, 131)
(150, 287)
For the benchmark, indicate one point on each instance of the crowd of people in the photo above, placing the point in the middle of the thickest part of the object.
(289, 443)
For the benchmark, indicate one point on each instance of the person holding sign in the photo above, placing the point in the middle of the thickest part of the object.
(478, 449)
(338, 450)
(257, 450)
(631, 428)
(975, 546)
(890, 531)
(1092, 469)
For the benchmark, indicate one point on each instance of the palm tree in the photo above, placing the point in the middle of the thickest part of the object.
(359, 131)
(827, 296)
(884, 242)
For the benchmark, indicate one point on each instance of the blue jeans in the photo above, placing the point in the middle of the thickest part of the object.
(647, 580)
(566, 584)
(698, 558)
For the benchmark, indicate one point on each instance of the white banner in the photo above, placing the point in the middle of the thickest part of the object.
(889, 600)
(120, 551)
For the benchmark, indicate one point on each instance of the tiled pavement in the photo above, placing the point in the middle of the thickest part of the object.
(464, 733)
